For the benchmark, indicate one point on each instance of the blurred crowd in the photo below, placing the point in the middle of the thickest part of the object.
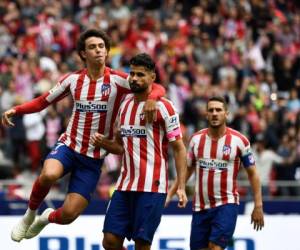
(245, 50)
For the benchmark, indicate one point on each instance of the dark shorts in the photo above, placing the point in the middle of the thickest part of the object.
(85, 171)
(134, 215)
(216, 225)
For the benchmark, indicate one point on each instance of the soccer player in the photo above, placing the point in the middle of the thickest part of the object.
(216, 154)
(97, 92)
(136, 206)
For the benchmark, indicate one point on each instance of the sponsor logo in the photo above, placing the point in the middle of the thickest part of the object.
(142, 116)
(173, 122)
(133, 131)
(95, 107)
(213, 164)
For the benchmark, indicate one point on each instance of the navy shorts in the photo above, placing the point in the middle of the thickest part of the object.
(85, 171)
(216, 225)
(134, 215)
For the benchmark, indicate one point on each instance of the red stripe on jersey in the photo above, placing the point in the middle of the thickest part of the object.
(124, 173)
(102, 117)
(238, 134)
(157, 158)
(78, 90)
(200, 155)
(130, 147)
(211, 174)
(235, 173)
(224, 172)
(143, 160)
(117, 104)
(88, 119)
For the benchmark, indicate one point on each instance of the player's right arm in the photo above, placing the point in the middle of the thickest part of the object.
(114, 146)
(58, 92)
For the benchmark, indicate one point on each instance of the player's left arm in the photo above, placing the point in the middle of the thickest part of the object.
(181, 170)
(257, 216)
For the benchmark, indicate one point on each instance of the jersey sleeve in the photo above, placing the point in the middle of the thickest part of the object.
(171, 120)
(247, 157)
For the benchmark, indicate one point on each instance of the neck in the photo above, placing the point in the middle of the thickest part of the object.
(95, 71)
(216, 133)
(140, 97)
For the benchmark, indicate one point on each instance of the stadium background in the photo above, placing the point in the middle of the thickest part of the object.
(247, 50)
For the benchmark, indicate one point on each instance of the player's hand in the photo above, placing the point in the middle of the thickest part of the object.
(150, 110)
(168, 199)
(6, 118)
(257, 218)
(182, 198)
(97, 139)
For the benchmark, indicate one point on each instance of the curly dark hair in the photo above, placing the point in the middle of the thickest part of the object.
(89, 33)
(144, 60)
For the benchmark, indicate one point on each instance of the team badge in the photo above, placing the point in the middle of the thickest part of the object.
(105, 89)
(226, 150)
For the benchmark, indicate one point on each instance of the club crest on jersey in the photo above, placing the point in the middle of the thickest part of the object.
(105, 89)
(226, 150)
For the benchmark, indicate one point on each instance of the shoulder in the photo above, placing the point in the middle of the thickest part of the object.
(71, 76)
(118, 74)
(198, 134)
(238, 136)
(166, 106)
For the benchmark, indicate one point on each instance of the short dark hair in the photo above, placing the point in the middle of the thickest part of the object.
(144, 60)
(89, 33)
(218, 99)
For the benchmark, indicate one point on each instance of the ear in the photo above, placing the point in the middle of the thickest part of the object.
(82, 53)
(153, 76)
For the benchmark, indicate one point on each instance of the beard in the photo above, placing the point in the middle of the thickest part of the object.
(135, 88)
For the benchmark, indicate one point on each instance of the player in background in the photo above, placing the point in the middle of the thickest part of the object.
(216, 154)
(136, 206)
(97, 92)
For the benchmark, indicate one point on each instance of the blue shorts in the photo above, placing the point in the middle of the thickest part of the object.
(134, 215)
(216, 225)
(85, 171)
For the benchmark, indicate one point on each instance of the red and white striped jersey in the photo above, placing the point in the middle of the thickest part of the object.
(96, 105)
(144, 162)
(217, 164)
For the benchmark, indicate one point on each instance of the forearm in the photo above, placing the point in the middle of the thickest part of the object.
(181, 167)
(256, 188)
(33, 106)
(112, 146)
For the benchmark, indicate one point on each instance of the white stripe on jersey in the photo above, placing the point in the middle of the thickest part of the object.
(89, 108)
(219, 169)
(134, 134)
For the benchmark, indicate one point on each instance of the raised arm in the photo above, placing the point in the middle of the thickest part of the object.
(257, 216)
